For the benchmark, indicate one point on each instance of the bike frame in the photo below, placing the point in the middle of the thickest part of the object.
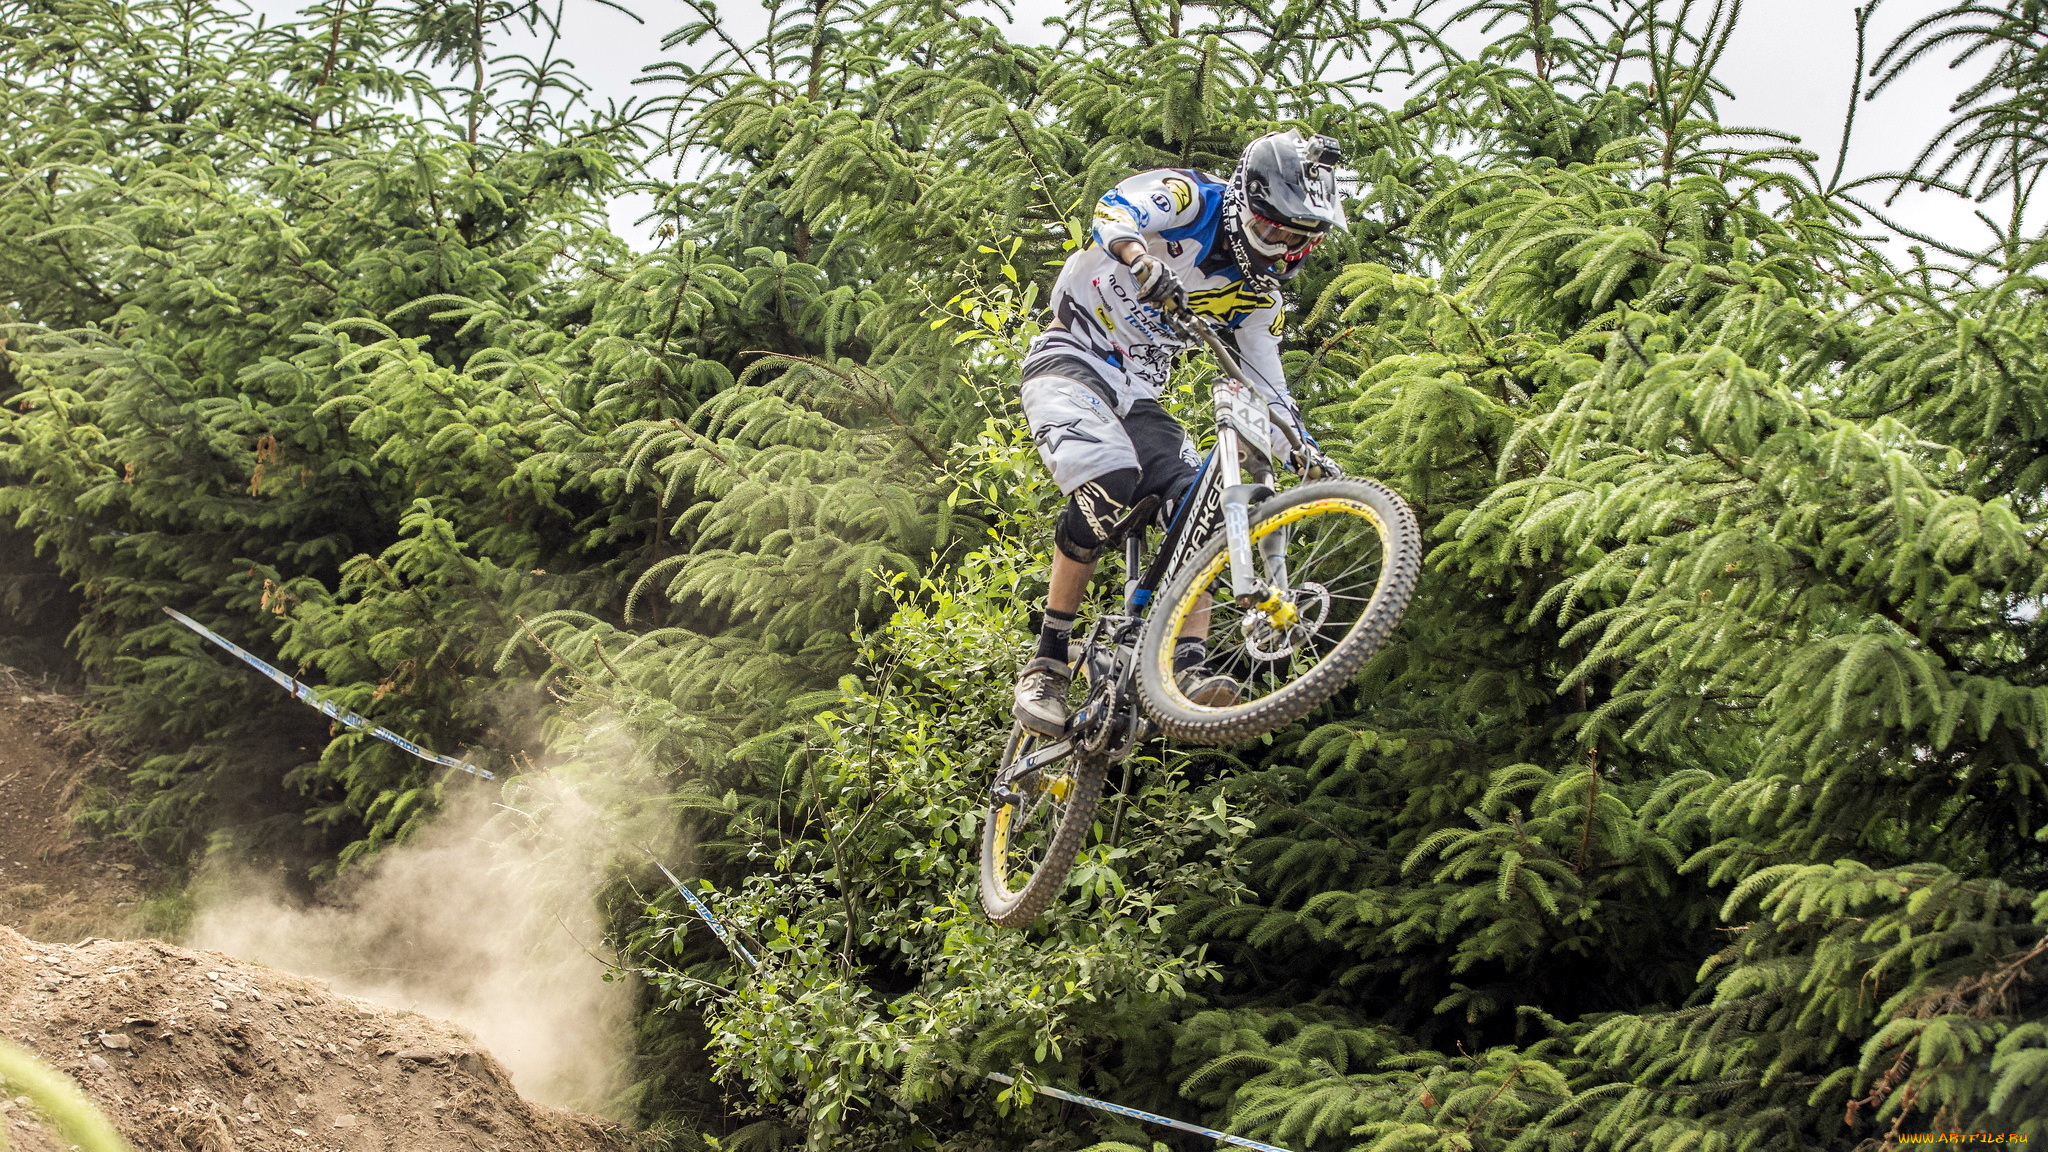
(1244, 421)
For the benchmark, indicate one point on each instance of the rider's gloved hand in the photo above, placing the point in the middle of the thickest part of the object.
(1309, 463)
(1158, 285)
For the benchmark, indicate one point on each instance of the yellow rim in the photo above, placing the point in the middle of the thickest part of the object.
(1178, 618)
(1002, 844)
(1059, 787)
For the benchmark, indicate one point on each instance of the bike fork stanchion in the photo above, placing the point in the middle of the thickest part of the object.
(1273, 547)
(1237, 517)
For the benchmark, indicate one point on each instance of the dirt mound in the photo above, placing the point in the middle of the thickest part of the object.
(54, 883)
(195, 1052)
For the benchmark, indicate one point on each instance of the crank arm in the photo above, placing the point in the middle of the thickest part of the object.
(1032, 763)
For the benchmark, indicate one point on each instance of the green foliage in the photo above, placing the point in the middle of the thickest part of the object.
(1698, 802)
(58, 1099)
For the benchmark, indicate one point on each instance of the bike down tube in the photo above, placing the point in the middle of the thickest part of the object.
(1134, 570)
(1185, 513)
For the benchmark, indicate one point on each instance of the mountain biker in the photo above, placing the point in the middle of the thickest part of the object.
(1167, 239)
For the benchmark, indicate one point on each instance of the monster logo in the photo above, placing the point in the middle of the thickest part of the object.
(1183, 192)
(1228, 304)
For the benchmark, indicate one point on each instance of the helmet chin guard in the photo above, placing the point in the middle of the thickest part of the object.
(1292, 184)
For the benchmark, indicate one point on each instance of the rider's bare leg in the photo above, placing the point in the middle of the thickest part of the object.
(1069, 580)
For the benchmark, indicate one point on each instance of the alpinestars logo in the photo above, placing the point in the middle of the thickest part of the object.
(1052, 435)
(1228, 304)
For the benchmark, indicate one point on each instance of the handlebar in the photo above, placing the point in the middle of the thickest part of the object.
(1191, 324)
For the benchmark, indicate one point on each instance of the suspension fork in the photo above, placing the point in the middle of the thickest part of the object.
(1273, 546)
(1245, 585)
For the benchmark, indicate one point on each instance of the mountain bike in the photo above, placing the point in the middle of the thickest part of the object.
(1297, 589)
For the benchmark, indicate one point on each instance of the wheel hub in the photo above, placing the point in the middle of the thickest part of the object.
(1274, 634)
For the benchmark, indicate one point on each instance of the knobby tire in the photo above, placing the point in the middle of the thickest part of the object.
(1016, 908)
(1401, 547)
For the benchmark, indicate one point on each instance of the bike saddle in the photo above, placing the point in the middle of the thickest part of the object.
(1140, 514)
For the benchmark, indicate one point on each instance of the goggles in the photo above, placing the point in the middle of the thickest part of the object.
(1273, 238)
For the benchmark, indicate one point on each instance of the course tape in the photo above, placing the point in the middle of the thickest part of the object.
(726, 936)
(1138, 1114)
(332, 710)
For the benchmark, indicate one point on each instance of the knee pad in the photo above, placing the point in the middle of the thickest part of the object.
(1091, 512)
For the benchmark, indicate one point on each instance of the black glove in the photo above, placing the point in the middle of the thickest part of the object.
(1158, 285)
(1309, 463)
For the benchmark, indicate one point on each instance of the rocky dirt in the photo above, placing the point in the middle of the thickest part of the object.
(190, 1051)
(56, 884)
(195, 1052)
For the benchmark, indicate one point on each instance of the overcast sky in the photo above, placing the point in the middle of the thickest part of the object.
(1789, 64)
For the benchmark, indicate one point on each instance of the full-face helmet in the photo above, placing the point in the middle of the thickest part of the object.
(1281, 202)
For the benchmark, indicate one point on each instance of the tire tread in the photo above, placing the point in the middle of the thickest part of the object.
(1090, 774)
(1402, 568)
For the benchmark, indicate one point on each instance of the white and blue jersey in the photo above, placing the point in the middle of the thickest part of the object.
(1178, 215)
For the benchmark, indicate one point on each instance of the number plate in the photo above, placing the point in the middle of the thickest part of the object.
(1248, 414)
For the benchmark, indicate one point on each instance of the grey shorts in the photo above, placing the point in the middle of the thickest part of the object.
(1081, 438)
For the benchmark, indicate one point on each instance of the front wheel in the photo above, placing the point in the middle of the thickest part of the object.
(1042, 810)
(1342, 556)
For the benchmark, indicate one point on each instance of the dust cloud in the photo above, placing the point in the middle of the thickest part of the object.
(488, 918)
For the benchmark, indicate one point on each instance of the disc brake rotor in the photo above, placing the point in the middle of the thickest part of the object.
(1263, 641)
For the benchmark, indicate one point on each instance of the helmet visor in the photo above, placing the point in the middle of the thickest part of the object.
(1273, 238)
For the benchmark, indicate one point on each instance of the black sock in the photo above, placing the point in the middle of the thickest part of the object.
(1054, 633)
(1189, 652)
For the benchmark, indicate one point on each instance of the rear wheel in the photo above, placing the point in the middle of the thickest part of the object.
(1037, 820)
(1345, 555)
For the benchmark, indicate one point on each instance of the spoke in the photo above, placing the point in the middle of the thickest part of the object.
(1343, 540)
(1322, 543)
(1336, 581)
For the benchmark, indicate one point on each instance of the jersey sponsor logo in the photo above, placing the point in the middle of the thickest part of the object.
(1143, 317)
(1115, 200)
(1183, 193)
(1230, 303)
(1080, 324)
(1165, 205)
(1173, 248)
(1059, 432)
